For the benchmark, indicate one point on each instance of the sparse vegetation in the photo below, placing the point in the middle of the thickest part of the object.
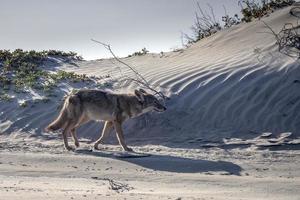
(22, 69)
(63, 54)
(230, 21)
(256, 9)
(287, 39)
(23, 104)
(63, 75)
(206, 24)
(144, 51)
(5, 97)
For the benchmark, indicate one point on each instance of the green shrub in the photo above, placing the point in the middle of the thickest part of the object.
(22, 69)
(206, 25)
(23, 104)
(144, 51)
(63, 75)
(5, 97)
(56, 53)
(256, 9)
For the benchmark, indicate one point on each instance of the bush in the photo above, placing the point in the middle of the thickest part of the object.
(19, 58)
(22, 69)
(5, 97)
(63, 75)
(206, 25)
(257, 9)
(56, 53)
(231, 21)
(144, 51)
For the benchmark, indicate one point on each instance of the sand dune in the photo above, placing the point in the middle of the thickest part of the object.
(220, 83)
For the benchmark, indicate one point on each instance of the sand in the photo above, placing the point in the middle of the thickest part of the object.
(43, 170)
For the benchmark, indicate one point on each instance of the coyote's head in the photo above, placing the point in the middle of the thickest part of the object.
(149, 101)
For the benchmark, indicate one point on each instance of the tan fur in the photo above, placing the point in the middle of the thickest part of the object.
(114, 109)
(67, 112)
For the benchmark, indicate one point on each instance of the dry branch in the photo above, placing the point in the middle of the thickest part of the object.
(287, 39)
(139, 78)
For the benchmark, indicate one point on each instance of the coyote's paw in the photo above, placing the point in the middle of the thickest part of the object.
(68, 148)
(128, 149)
(96, 147)
(77, 144)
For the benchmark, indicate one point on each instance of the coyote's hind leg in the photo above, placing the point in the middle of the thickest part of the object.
(73, 130)
(65, 132)
(74, 135)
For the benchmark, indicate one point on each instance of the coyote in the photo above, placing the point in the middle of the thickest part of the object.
(85, 105)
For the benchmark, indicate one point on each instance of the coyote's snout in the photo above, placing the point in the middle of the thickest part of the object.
(114, 109)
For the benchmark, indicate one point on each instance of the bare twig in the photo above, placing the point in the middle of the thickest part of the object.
(205, 24)
(139, 78)
(120, 61)
(153, 90)
(272, 31)
(212, 13)
(295, 12)
(287, 39)
(115, 185)
(225, 10)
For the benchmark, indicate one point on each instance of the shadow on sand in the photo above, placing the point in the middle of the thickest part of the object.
(169, 163)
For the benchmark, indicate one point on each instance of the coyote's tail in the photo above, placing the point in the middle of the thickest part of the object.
(67, 112)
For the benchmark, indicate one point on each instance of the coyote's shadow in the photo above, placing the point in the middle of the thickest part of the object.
(171, 163)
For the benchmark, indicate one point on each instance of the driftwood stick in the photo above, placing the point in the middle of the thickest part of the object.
(140, 79)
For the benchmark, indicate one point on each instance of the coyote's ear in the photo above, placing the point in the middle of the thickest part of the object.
(139, 95)
(142, 91)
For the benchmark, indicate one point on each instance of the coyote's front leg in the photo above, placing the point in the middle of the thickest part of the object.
(106, 129)
(120, 136)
